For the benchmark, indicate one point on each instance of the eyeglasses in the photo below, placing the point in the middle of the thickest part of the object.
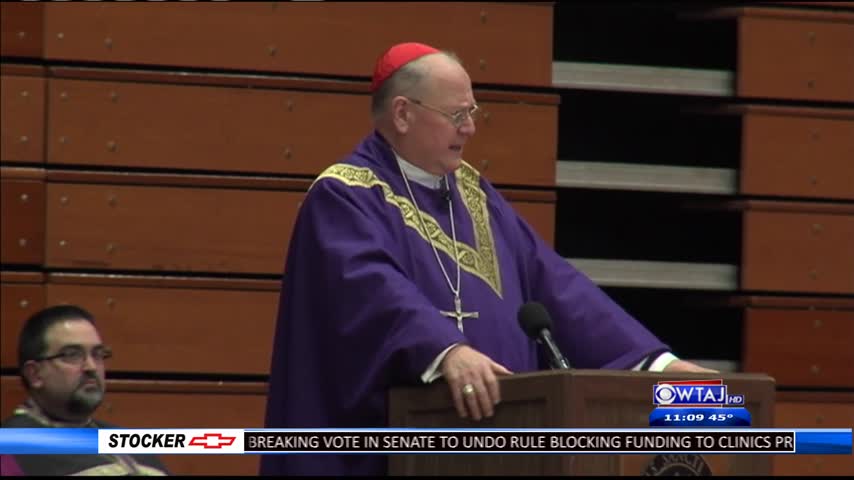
(77, 355)
(456, 118)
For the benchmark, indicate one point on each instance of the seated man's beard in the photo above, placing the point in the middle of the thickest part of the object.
(85, 401)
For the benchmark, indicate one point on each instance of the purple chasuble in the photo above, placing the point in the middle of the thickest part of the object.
(362, 295)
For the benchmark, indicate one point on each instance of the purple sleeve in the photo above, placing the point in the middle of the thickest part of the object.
(590, 328)
(350, 295)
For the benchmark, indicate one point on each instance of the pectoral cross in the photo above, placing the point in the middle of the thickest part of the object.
(458, 313)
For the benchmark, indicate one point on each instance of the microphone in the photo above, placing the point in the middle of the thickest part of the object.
(537, 324)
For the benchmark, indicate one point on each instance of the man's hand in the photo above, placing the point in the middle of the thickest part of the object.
(688, 367)
(471, 377)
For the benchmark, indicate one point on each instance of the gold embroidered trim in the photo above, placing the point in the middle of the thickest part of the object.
(480, 261)
(468, 183)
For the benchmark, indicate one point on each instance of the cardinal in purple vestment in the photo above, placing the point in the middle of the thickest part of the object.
(406, 267)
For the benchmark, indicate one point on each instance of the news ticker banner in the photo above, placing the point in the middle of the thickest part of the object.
(425, 441)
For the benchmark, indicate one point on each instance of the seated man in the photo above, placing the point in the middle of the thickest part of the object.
(61, 360)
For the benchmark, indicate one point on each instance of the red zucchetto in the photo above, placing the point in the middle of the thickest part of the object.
(396, 57)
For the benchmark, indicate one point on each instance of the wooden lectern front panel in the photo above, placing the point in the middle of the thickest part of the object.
(577, 398)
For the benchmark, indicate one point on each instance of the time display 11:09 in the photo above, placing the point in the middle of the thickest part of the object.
(696, 417)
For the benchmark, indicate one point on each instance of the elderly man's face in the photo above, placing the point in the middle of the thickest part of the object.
(437, 141)
(69, 383)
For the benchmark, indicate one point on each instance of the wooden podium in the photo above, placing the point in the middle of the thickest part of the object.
(573, 399)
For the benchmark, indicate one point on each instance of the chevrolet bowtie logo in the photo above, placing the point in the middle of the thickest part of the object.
(212, 440)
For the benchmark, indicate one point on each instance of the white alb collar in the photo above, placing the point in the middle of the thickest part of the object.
(416, 174)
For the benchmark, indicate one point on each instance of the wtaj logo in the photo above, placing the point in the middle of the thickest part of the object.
(694, 393)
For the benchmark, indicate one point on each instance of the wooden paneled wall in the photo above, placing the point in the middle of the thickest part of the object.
(153, 158)
(794, 82)
(153, 174)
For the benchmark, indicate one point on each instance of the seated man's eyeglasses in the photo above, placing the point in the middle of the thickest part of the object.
(76, 355)
(457, 118)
